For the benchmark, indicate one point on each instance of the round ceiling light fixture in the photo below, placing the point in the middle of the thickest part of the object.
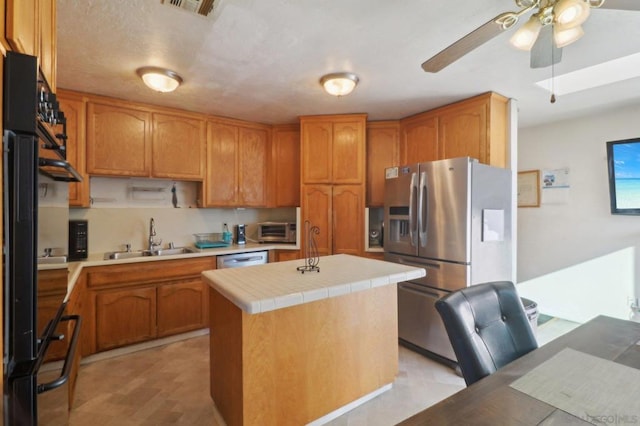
(159, 79)
(339, 83)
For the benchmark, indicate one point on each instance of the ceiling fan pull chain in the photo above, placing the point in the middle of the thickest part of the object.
(553, 68)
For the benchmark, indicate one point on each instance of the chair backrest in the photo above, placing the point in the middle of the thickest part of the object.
(487, 327)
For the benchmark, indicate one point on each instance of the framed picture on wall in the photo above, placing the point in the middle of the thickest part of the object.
(529, 188)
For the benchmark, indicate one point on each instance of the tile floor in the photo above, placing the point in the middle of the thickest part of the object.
(170, 385)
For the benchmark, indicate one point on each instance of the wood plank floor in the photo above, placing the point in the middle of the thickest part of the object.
(159, 386)
(169, 385)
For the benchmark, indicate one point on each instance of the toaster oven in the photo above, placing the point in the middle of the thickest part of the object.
(277, 232)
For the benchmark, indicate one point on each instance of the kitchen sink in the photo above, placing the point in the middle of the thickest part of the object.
(47, 260)
(115, 255)
(171, 251)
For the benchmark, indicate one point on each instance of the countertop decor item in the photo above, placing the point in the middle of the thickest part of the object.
(311, 258)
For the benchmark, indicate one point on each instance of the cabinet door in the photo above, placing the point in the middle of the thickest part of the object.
(348, 152)
(420, 140)
(253, 150)
(286, 166)
(222, 166)
(179, 147)
(316, 208)
(125, 316)
(382, 151)
(47, 308)
(48, 41)
(463, 132)
(316, 151)
(284, 255)
(74, 108)
(118, 140)
(182, 307)
(348, 217)
(22, 26)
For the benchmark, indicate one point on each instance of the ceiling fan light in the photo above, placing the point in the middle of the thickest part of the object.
(159, 79)
(527, 34)
(566, 36)
(571, 13)
(340, 83)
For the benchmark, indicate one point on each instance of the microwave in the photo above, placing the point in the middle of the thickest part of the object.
(277, 232)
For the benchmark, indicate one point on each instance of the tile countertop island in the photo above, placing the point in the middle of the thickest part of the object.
(293, 348)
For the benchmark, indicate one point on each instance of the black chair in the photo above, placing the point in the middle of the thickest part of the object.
(487, 327)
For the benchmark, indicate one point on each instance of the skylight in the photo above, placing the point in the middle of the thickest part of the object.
(598, 75)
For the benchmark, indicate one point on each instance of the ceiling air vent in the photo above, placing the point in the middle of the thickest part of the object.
(201, 7)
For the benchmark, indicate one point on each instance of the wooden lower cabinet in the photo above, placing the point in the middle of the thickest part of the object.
(125, 316)
(182, 307)
(284, 255)
(52, 288)
(137, 302)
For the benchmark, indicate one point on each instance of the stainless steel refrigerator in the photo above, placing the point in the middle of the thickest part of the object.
(453, 218)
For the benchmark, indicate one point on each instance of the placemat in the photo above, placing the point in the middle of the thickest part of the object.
(596, 390)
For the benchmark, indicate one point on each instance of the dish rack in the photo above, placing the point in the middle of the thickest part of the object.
(211, 240)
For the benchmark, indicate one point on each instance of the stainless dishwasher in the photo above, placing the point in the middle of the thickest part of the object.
(240, 260)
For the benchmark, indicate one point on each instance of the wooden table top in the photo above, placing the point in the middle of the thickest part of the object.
(491, 401)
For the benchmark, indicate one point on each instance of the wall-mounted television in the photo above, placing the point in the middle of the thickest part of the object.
(623, 158)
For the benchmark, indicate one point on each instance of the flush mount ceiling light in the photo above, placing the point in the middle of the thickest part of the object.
(339, 83)
(159, 79)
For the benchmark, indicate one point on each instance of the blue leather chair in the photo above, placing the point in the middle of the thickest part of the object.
(487, 326)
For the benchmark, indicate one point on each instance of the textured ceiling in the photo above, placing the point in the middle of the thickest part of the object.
(260, 60)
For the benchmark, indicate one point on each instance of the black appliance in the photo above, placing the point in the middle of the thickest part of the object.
(31, 116)
(78, 239)
(241, 238)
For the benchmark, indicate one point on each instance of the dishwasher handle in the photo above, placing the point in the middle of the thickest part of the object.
(243, 259)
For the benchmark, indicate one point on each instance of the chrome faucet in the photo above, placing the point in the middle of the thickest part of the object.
(153, 244)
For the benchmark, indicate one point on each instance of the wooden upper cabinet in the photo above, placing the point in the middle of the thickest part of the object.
(316, 151)
(178, 147)
(349, 147)
(333, 148)
(419, 140)
(253, 155)
(285, 166)
(118, 140)
(463, 132)
(237, 160)
(476, 128)
(222, 177)
(74, 107)
(22, 26)
(48, 41)
(383, 150)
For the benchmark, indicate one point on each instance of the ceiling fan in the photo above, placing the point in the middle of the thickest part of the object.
(553, 25)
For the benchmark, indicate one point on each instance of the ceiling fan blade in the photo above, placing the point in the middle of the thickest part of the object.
(466, 44)
(621, 4)
(544, 52)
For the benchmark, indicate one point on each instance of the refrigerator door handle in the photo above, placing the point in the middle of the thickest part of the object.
(413, 224)
(423, 210)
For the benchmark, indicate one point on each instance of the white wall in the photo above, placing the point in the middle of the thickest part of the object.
(575, 258)
(121, 214)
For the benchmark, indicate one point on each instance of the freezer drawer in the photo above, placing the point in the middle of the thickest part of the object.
(419, 322)
(441, 275)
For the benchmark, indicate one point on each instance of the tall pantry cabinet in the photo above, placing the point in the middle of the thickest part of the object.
(332, 193)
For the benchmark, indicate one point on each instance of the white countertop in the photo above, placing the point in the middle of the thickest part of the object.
(97, 259)
(278, 285)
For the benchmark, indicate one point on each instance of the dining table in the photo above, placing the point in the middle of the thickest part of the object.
(590, 375)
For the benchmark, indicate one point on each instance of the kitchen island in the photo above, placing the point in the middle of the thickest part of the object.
(293, 348)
